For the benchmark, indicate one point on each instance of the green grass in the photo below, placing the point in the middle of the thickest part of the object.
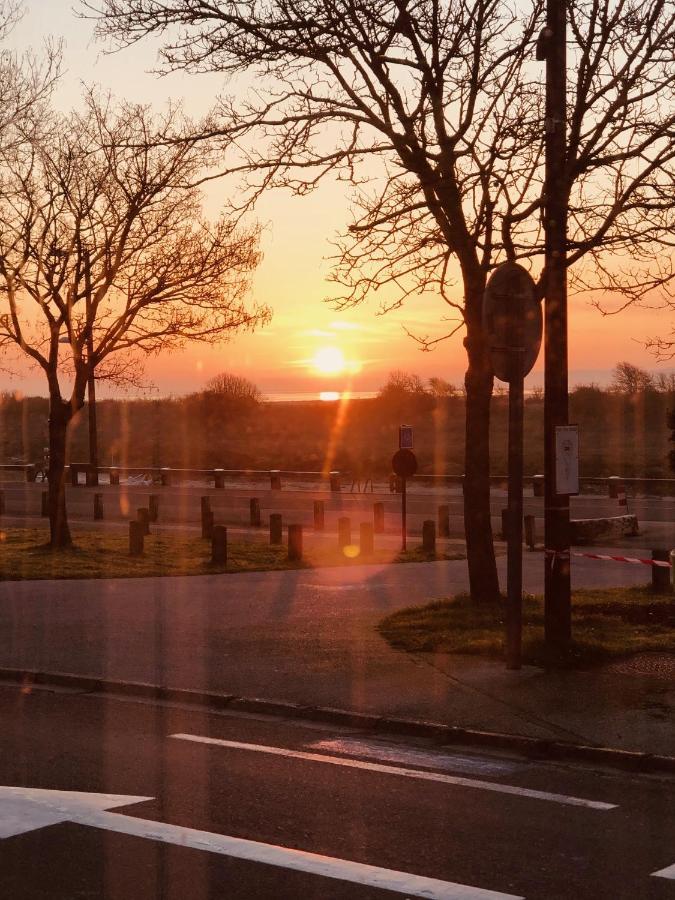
(607, 623)
(24, 555)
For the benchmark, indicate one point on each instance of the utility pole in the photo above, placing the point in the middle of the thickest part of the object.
(557, 600)
(91, 377)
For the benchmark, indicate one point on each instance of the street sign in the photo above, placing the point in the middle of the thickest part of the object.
(512, 319)
(404, 463)
(405, 437)
(566, 459)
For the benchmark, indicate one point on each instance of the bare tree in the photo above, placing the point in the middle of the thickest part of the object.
(26, 80)
(630, 379)
(104, 251)
(434, 112)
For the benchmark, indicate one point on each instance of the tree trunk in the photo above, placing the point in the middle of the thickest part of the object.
(59, 417)
(483, 580)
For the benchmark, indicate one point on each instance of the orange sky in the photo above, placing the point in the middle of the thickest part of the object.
(291, 278)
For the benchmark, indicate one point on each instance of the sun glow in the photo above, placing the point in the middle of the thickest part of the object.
(329, 361)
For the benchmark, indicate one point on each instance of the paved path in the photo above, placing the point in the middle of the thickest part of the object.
(310, 637)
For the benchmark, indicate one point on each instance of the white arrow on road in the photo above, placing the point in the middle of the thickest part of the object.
(27, 809)
(668, 872)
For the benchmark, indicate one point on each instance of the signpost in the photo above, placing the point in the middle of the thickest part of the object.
(405, 437)
(404, 464)
(512, 320)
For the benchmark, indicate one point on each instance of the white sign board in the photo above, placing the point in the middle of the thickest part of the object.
(567, 459)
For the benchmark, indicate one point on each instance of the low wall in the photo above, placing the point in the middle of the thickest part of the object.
(587, 531)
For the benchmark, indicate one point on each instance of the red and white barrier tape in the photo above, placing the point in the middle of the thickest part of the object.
(626, 559)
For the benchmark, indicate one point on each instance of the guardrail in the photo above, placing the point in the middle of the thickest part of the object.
(615, 486)
(165, 476)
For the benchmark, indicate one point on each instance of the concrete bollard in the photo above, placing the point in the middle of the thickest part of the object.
(44, 507)
(205, 504)
(219, 545)
(276, 529)
(530, 532)
(319, 515)
(153, 507)
(275, 480)
(538, 486)
(660, 574)
(615, 486)
(295, 542)
(505, 525)
(429, 536)
(254, 509)
(335, 485)
(165, 476)
(136, 535)
(219, 478)
(366, 539)
(115, 477)
(444, 521)
(143, 517)
(98, 507)
(207, 524)
(378, 518)
(344, 531)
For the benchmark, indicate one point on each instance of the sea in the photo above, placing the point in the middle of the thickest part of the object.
(328, 396)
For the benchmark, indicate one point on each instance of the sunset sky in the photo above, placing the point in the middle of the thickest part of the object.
(308, 346)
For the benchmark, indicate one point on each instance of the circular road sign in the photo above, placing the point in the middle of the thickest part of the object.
(404, 463)
(512, 319)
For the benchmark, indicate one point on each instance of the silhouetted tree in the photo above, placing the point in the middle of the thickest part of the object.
(434, 111)
(234, 389)
(630, 379)
(439, 387)
(26, 81)
(104, 251)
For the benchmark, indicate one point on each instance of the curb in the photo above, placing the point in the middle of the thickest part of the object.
(533, 748)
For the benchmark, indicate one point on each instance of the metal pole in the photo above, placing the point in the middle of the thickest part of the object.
(404, 537)
(91, 378)
(557, 600)
(514, 549)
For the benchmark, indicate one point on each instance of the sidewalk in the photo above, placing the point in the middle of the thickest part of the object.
(309, 637)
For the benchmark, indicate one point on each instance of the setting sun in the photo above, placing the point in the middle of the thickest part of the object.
(329, 361)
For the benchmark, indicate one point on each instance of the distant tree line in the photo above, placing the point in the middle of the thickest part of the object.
(228, 423)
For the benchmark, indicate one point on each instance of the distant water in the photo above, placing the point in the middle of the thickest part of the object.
(297, 396)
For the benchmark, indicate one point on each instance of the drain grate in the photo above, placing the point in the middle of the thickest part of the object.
(656, 665)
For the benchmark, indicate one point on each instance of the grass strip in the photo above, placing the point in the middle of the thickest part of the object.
(607, 623)
(24, 555)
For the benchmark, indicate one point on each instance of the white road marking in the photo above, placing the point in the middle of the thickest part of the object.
(26, 809)
(398, 770)
(668, 872)
(425, 759)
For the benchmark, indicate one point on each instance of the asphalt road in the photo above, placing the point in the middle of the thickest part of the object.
(472, 823)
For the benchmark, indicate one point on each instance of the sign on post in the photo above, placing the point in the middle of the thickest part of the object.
(567, 459)
(404, 464)
(511, 310)
(512, 321)
(405, 437)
